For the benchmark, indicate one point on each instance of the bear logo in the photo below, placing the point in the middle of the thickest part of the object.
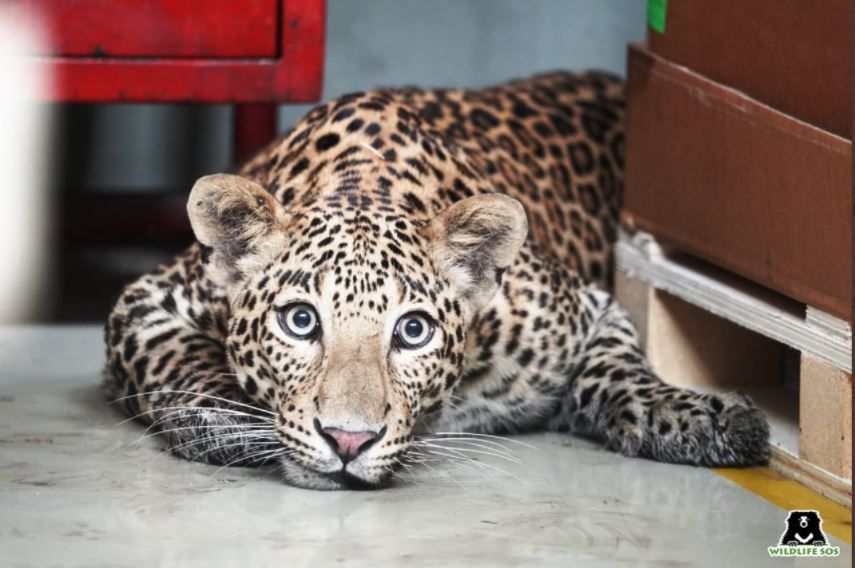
(803, 528)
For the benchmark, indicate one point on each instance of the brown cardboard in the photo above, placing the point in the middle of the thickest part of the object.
(825, 407)
(738, 183)
(693, 348)
(794, 55)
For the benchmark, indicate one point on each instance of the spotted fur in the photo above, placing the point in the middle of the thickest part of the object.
(381, 203)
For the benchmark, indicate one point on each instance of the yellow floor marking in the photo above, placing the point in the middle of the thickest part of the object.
(792, 495)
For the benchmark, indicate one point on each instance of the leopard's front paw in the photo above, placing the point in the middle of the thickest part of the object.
(743, 433)
(626, 442)
(625, 433)
(708, 430)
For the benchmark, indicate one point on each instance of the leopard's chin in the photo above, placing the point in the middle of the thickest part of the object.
(305, 478)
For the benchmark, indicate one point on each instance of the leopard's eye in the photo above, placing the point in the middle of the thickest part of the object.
(299, 321)
(413, 330)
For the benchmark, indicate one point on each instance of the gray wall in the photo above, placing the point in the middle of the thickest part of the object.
(370, 43)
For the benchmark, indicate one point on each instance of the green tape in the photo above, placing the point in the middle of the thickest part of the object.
(656, 12)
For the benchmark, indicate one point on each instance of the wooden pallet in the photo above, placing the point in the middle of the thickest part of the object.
(708, 329)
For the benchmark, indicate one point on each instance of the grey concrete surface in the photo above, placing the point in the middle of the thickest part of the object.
(80, 488)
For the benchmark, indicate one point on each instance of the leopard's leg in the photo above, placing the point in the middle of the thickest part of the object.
(613, 394)
(166, 367)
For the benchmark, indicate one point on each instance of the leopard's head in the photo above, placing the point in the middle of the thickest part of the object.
(348, 316)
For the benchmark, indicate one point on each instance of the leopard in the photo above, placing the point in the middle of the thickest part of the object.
(401, 263)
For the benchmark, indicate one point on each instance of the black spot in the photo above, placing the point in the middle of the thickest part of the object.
(450, 379)
(618, 375)
(542, 129)
(563, 127)
(629, 416)
(415, 202)
(205, 253)
(161, 338)
(483, 119)
(431, 111)
(581, 157)
(140, 366)
(299, 167)
(716, 403)
(287, 196)
(525, 357)
(589, 198)
(161, 363)
(130, 348)
(474, 375)
(327, 141)
(373, 105)
(587, 394)
(168, 302)
(343, 114)
(522, 110)
(595, 127)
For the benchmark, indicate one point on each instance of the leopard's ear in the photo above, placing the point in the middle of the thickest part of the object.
(475, 239)
(237, 219)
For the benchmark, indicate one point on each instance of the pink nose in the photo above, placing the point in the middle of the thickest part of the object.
(348, 444)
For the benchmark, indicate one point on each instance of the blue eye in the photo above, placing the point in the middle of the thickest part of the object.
(299, 321)
(413, 330)
(302, 319)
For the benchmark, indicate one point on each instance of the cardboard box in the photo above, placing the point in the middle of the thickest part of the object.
(793, 55)
(738, 183)
(825, 401)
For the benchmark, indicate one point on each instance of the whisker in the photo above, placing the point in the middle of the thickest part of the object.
(457, 458)
(481, 464)
(492, 436)
(478, 442)
(474, 451)
(372, 149)
(218, 447)
(197, 409)
(215, 443)
(259, 430)
(443, 474)
(254, 458)
(192, 393)
(222, 436)
(399, 476)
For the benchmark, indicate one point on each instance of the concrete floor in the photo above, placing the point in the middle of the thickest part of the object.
(78, 488)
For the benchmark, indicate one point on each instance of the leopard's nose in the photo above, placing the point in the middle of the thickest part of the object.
(348, 444)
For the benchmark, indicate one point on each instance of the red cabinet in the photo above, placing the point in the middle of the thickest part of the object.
(254, 53)
(141, 28)
(182, 51)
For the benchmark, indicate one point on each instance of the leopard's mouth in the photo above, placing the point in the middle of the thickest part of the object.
(304, 477)
(347, 480)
